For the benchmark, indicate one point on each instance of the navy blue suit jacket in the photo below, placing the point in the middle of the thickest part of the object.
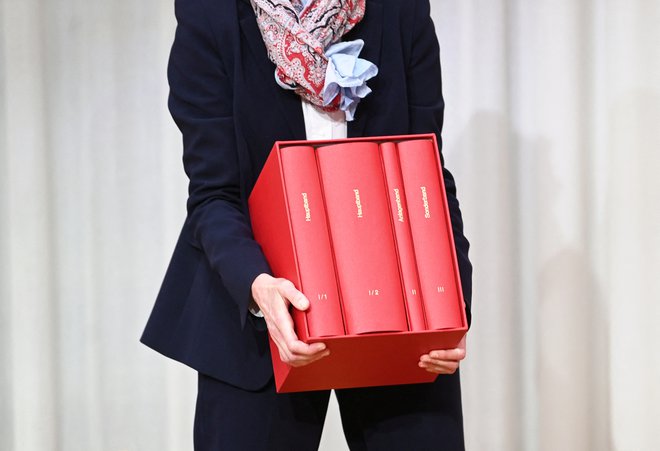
(225, 101)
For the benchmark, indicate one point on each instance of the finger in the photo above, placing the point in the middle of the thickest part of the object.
(302, 361)
(427, 360)
(300, 348)
(448, 354)
(440, 370)
(280, 329)
(298, 353)
(282, 321)
(288, 291)
(293, 347)
(299, 359)
(284, 353)
(437, 362)
(445, 367)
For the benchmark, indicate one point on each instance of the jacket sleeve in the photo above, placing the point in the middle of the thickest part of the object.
(426, 111)
(201, 103)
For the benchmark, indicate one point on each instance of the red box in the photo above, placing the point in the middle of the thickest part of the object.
(370, 359)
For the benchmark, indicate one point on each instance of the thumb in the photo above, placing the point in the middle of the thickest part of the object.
(295, 297)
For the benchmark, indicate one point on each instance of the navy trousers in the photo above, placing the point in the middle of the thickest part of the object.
(405, 417)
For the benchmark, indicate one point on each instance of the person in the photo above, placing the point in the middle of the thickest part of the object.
(242, 75)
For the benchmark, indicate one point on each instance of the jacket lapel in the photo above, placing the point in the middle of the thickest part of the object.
(288, 101)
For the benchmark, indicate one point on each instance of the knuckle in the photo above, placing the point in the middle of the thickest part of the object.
(297, 362)
(286, 284)
(297, 348)
(285, 355)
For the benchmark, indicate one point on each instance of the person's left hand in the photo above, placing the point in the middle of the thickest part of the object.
(443, 361)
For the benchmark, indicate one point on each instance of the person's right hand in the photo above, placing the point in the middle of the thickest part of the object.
(273, 297)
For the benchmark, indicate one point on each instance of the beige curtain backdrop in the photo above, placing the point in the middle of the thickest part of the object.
(552, 130)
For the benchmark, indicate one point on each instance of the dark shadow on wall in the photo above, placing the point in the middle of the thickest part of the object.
(535, 377)
(570, 313)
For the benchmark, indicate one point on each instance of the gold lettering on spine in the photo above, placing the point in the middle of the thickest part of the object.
(427, 212)
(399, 207)
(308, 213)
(358, 203)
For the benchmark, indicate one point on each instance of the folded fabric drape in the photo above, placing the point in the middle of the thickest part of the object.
(302, 39)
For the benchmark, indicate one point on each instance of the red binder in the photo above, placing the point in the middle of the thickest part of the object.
(359, 220)
(292, 229)
(431, 236)
(402, 234)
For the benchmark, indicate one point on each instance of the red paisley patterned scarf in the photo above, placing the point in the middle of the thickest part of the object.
(296, 37)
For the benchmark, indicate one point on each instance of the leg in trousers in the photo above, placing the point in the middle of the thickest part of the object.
(229, 418)
(412, 417)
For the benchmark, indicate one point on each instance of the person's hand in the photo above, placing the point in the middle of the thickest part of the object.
(273, 297)
(443, 361)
